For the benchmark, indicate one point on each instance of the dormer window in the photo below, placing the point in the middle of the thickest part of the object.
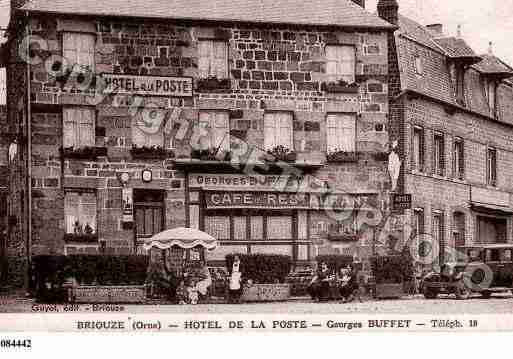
(460, 85)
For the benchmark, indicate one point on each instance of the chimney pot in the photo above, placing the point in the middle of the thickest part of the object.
(388, 10)
(436, 29)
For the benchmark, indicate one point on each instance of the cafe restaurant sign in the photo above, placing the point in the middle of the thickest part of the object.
(148, 85)
(221, 199)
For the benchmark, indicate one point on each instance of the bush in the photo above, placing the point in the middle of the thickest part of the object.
(335, 261)
(53, 271)
(392, 269)
(262, 268)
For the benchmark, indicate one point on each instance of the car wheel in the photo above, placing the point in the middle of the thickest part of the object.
(486, 294)
(462, 292)
(430, 293)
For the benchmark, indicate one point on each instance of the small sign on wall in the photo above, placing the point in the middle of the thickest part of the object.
(128, 204)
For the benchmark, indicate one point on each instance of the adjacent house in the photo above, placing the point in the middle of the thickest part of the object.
(451, 111)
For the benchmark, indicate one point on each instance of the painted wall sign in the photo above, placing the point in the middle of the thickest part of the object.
(218, 199)
(149, 85)
(277, 183)
(401, 201)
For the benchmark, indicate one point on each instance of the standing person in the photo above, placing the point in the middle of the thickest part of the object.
(235, 287)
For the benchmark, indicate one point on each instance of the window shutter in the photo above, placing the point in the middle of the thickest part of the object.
(331, 133)
(270, 131)
(442, 156)
(69, 49)
(204, 63)
(220, 58)
(220, 127)
(422, 150)
(285, 136)
(461, 158)
(86, 132)
(69, 128)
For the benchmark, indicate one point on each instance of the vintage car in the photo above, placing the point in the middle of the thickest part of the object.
(483, 269)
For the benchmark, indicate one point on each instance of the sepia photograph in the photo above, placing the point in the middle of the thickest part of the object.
(255, 165)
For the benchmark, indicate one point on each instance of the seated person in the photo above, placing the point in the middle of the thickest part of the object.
(319, 287)
(205, 281)
(349, 283)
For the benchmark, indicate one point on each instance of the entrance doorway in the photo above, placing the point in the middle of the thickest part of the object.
(149, 213)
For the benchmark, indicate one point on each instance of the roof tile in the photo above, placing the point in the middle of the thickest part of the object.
(316, 12)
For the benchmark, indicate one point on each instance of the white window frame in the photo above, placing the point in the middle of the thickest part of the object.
(340, 63)
(419, 66)
(213, 59)
(491, 166)
(341, 132)
(215, 129)
(78, 49)
(71, 218)
(418, 155)
(78, 127)
(278, 130)
(439, 154)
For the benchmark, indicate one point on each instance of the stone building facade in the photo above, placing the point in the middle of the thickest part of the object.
(451, 112)
(131, 113)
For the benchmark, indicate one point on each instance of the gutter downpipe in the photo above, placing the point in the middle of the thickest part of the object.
(29, 163)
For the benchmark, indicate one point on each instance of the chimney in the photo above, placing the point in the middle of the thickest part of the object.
(389, 10)
(436, 29)
(359, 3)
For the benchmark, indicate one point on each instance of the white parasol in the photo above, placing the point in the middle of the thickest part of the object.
(182, 237)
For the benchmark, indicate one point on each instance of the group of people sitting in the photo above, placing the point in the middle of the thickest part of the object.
(324, 282)
(193, 287)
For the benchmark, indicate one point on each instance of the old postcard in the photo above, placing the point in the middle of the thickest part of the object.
(257, 165)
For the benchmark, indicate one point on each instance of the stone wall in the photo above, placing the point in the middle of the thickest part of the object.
(271, 68)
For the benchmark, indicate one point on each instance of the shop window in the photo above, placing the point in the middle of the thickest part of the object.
(279, 227)
(78, 49)
(215, 130)
(213, 59)
(149, 212)
(218, 227)
(491, 167)
(80, 213)
(491, 230)
(418, 149)
(78, 127)
(257, 227)
(278, 130)
(341, 132)
(439, 154)
(458, 159)
(340, 63)
(239, 227)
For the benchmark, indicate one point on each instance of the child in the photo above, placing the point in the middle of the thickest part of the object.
(181, 293)
(192, 292)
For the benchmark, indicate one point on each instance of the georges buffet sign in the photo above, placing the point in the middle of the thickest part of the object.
(149, 85)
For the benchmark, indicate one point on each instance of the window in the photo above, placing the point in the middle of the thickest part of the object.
(491, 167)
(491, 230)
(438, 233)
(80, 212)
(418, 221)
(147, 129)
(215, 129)
(78, 49)
(341, 132)
(459, 229)
(419, 68)
(491, 88)
(278, 130)
(458, 159)
(418, 149)
(460, 85)
(439, 154)
(213, 59)
(78, 127)
(340, 63)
